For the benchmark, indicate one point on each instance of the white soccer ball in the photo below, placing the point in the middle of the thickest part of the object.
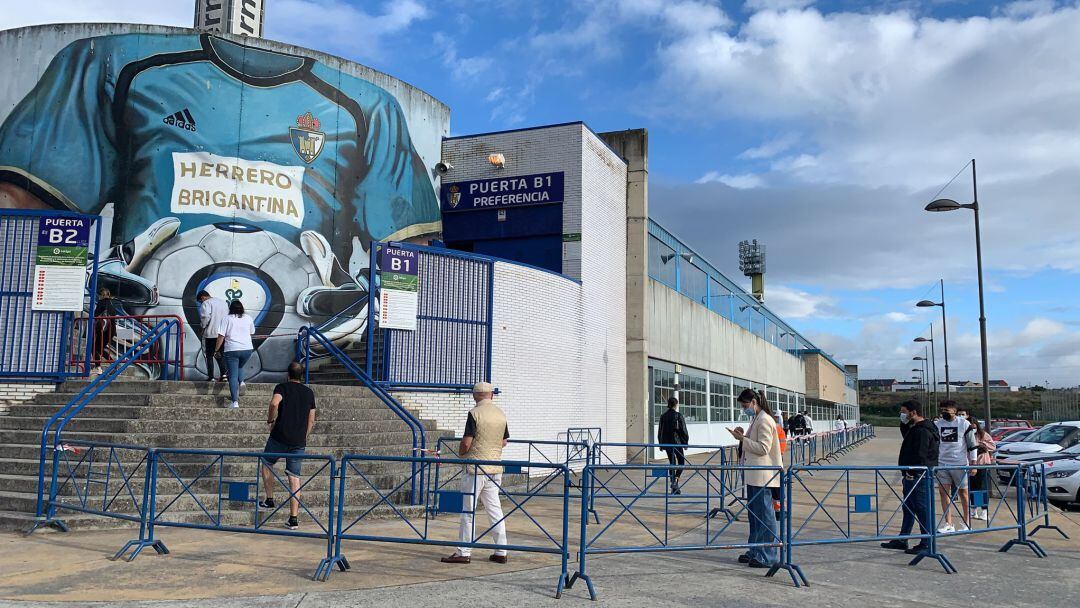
(233, 260)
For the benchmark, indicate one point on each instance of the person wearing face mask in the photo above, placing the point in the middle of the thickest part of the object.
(958, 452)
(919, 449)
(759, 446)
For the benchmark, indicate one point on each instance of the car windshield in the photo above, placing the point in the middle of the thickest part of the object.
(1050, 434)
(1017, 435)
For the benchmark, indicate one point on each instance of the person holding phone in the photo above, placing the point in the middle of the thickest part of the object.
(759, 446)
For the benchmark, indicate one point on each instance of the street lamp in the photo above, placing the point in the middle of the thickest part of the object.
(933, 357)
(944, 204)
(944, 331)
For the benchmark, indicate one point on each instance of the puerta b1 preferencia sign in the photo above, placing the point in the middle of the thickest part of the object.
(501, 192)
(60, 265)
(399, 282)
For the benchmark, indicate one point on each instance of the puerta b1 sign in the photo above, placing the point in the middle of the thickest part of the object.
(516, 191)
(399, 284)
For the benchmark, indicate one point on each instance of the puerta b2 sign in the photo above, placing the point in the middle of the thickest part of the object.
(60, 267)
(399, 283)
(538, 189)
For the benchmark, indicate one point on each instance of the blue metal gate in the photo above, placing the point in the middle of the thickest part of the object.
(451, 346)
(35, 343)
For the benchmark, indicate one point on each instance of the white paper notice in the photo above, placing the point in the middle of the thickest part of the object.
(398, 309)
(58, 288)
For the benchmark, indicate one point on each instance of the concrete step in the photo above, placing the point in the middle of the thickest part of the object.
(58, 400)
(246, 411)
(177, 387)
(200, 425)
(191, 466)
(31, 451)
(221, 436)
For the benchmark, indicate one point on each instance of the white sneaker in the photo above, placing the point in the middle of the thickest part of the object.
(980, 514)
(961, 527)
(243, 384)
(234, 405)
(946, 529)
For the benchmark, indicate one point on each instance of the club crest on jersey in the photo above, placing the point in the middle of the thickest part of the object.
(455, 196)
(306, 137)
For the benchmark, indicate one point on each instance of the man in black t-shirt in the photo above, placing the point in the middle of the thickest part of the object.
(291, 417)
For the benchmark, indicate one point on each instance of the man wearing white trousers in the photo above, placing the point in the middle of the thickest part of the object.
(484, 439)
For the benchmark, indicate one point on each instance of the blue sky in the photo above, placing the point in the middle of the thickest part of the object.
(819, 128)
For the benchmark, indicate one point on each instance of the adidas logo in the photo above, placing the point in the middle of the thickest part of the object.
(182, 119)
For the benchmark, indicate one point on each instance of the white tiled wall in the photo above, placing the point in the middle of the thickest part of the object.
(14, 392)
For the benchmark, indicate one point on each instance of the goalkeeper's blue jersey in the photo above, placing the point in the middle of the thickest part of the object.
(208, 130)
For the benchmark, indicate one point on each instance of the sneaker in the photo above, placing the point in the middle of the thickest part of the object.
(267, 503)
(946, 529)
(961, 527)
(980, 514)
(234, 405)
(293, 523)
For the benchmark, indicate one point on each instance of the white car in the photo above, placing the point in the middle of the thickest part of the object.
(1063, 481)
(1041, 444)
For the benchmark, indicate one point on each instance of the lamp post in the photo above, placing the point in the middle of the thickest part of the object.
(944, 204)
(933, 358)
(923, 361)
(944, 332)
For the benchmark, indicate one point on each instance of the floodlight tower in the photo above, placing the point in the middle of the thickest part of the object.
(752, 264)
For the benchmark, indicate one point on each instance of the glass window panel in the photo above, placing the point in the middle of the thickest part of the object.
(692, 398)
(720, 398)
(693, 281)
(661, 262)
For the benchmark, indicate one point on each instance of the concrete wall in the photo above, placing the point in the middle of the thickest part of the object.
(824, 380)
(682, 331)
(633, 147)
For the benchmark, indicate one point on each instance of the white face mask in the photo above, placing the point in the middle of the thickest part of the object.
(904, 417)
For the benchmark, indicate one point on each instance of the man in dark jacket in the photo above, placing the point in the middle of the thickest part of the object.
(919, 449)
(673, 433)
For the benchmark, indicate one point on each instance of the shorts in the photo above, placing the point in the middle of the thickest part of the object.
(955, 477)
(292, 465)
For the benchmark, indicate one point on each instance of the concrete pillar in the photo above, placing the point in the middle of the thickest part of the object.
(633, 146)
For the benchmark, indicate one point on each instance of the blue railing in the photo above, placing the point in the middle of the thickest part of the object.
(45, 509)
(419, 439)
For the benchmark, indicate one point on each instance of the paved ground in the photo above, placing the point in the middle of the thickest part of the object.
(220, 570)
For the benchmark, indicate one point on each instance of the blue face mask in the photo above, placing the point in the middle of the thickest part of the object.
(749, 411)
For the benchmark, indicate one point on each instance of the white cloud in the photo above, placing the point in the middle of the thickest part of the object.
(160, 12)
(462, 68)
(340, 25)
(792, 303)
(770, 148)
(898, 317)
(892, 98)
(744, 181)
(775, 5)
(1026, 8)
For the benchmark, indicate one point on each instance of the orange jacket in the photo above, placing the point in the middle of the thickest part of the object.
(782, 436)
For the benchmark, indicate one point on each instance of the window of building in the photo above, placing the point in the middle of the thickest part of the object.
(661, 262)
(663, 386)
(692, 397)
(693, 282)
(737, 387)
(719, 299)
(720, 398)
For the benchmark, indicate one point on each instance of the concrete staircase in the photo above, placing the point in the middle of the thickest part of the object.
(189, 415)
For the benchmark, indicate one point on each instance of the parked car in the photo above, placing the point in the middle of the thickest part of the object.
(1063, 481)
(1009, 422)
(1050, 439)
(1017, 435)
(1002, 431)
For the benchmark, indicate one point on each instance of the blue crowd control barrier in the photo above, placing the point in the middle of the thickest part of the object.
(572, 454)
(192, 489)
(859, 504)
(304, 338)
(637, 479)
(638, 518)
(542, 511)
(107, 479)
(45, 511)
(1038, 497)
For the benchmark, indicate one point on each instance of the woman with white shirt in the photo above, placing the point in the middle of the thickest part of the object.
(234, 342)
(759, 446)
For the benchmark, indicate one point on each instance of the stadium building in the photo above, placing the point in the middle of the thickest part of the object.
(276, 175)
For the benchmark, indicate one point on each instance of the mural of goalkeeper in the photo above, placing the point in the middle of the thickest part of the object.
(174, 133)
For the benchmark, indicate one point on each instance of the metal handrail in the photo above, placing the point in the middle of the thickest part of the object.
(419, 439)
(60, 419)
